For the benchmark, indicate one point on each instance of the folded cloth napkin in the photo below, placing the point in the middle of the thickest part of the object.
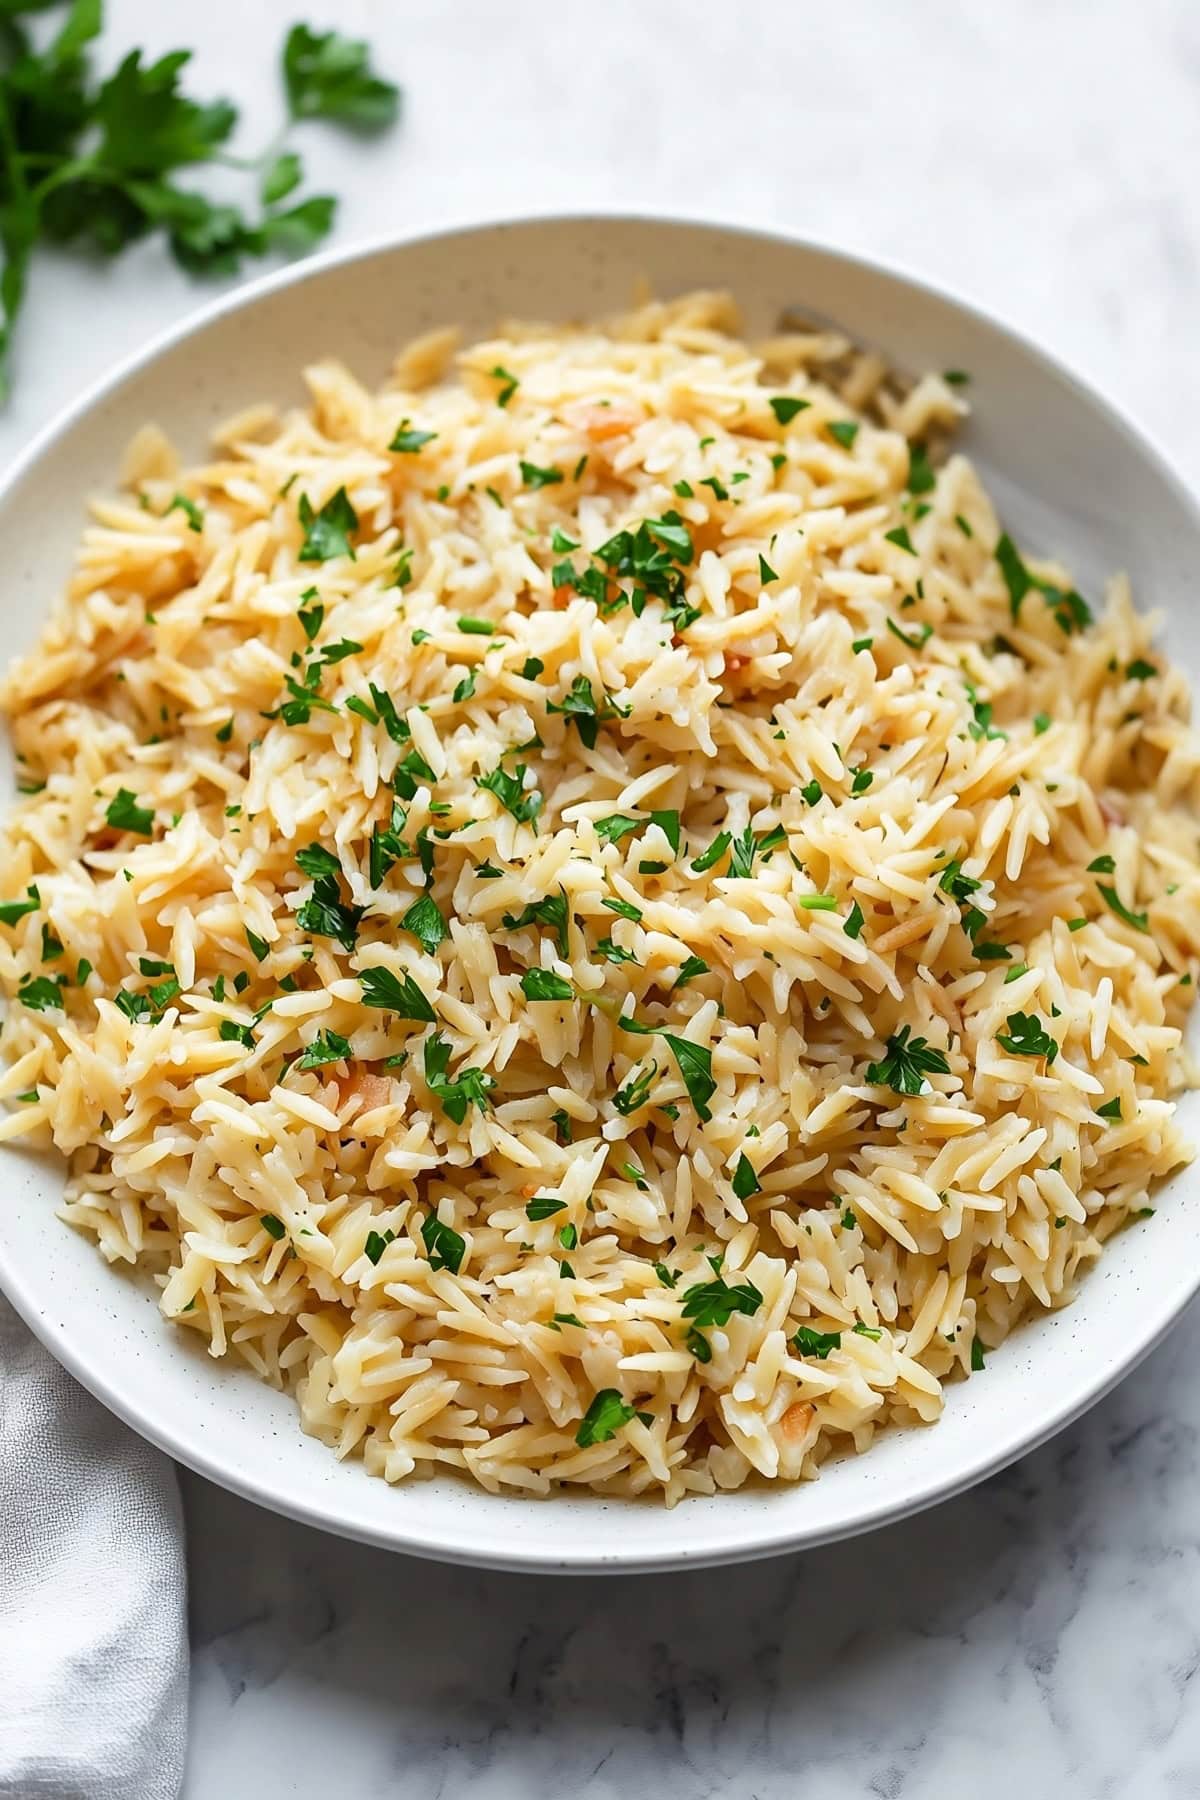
(93, 1640)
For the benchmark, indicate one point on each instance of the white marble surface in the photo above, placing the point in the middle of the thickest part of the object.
(1041, 1634)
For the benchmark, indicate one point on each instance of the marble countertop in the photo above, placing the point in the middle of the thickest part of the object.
(1041, 1634)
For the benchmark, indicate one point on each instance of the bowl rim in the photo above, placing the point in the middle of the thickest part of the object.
(454, 1545)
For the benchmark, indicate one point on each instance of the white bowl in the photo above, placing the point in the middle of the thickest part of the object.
(1070, 477)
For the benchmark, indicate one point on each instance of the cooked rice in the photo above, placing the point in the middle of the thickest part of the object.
(712, 1282)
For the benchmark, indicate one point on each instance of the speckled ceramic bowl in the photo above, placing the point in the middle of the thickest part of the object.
(1069, 475)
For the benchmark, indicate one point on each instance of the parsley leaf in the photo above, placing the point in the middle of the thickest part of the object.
(816, 1344)
(326, 1047)
(1139, 920)
(534, 477)
(922, 478)
(424, 919)
(444, 1246)
(844, 431)
(745, 1181)
(469, 1087)
(510, 792)
(190, 511)
(408, 441)
(603, 1419)
(552, 911)
(375, 1245)
(41, 992)
(544, 984)
(786, 406)
(328, 76)
(327, 533)
(715, 1302)
(124, 814)
(1027, 1036)
(397, 994)
(906, 1064)
(12, 910)
(544, 1206)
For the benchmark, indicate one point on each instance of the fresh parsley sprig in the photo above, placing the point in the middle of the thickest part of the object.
(95, 162)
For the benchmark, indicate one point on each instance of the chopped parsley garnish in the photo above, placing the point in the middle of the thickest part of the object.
(854, 921)
(510, 792)
(765, 571)
(1027, 1036)
(190, 511)
(977, 1355)
(624, 908)
(745, 1181)
(1041, 723)
(550, 910)
(844, 431)
(953, 882)
(906, 1064)
(326, 914)
(273, 1227)
(713, 854)
(544, 1206)
(124, 814)
(817, 902)
(615, 826)
(916, 640)
(1101, 865)
(424, 919)
(377, 1242)
(861, 780)
(614, 953)
(1140, 669)
(535, 477)
(544, 984)
(476, 627)
(715, 1302)
(580, 704)
(457, 1094)
(408, 441)
(901, 539)
(694, 1062)
(532, 667)
(41, 991)
(603, 1418)
(921, 476)
(465, 689)
(1110, 1110)
(326, 1047)
(861, 644)
(1139, 920)
(811, 792)
(258, 945)
(816, 1344)
(12, 910)
(443, 1245)
(747, 846)
(635, 1092)
(392, 993)
(511, 384)
(230, 1032)
(786, 406)
(1071, 610)
(688, 970)
(327, 532)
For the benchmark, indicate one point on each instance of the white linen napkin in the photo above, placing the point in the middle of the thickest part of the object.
(93, 1632)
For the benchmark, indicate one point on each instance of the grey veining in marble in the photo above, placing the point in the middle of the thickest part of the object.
(1039, 1636)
